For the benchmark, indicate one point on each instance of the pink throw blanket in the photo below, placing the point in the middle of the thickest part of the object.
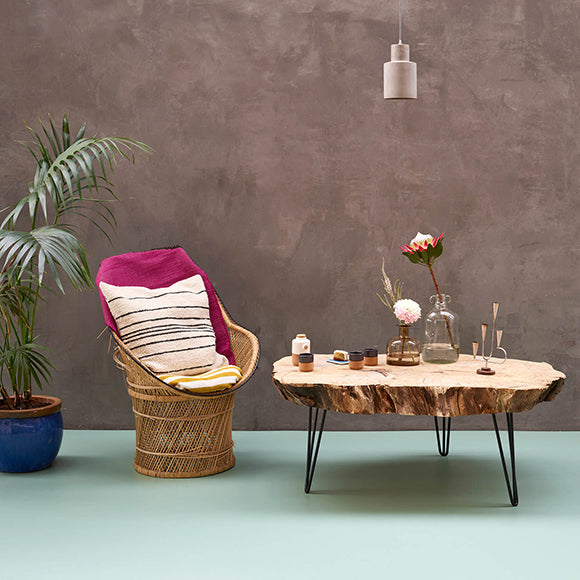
(159, 269)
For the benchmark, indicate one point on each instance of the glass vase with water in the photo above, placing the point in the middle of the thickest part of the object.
(441, 342)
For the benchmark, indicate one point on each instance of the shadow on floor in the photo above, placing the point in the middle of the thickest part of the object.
(419, 484)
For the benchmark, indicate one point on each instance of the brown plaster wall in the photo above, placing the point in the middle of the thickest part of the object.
(283, 172)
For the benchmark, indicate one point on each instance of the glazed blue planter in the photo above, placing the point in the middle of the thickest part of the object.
(30, 440)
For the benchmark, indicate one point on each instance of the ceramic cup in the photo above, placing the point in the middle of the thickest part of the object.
(306, 362)
(356, 360)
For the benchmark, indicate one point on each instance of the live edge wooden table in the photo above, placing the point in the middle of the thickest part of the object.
(442, 391)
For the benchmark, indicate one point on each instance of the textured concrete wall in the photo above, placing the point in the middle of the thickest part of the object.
(284, 173)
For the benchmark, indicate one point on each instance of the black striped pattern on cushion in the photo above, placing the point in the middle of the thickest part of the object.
(168, 329)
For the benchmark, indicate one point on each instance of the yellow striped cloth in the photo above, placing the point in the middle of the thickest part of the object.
(216, 380)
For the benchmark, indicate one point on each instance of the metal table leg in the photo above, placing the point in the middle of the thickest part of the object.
(443, 441)
(513, 486)
(312, 449)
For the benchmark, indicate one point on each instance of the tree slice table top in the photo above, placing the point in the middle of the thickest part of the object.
(444, 390)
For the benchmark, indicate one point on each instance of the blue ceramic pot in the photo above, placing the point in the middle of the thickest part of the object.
(30, 440)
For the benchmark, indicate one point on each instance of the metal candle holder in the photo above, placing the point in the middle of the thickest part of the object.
(497, 335)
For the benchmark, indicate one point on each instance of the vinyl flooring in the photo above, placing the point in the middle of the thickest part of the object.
(382, 505)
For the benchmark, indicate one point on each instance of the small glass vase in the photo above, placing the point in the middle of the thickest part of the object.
(441, 342)
(403, 350)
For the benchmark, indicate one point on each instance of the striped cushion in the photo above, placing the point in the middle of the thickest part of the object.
(168, 329)
(216, 380)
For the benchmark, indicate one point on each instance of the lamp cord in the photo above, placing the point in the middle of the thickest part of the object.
(400, 24)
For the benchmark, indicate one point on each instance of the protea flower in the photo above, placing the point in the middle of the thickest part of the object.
(423, 249)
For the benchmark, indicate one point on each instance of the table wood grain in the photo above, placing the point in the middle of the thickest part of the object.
(447, 390)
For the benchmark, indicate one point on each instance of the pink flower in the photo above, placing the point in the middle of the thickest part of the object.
(407, 311)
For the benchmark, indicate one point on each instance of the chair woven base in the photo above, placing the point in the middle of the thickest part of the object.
(177, 434)
(177, 475)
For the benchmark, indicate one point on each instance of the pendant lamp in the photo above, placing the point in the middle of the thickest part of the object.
(400, 74)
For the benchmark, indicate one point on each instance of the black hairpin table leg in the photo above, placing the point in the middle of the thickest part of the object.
(312, 449)
(513, 486)
(443, 441)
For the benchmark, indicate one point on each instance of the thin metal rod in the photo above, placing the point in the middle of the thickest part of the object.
(513, 486)
(495, 308)
(443, 441)
(311, 447)
(400, 24)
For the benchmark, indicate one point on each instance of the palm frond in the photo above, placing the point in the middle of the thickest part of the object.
(27, 360)
(67, 170)
(15, 300)
(72, 178)
(54, 246)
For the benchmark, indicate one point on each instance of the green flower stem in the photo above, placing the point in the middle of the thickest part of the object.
(406, 342)
(435, 282)
(403, 348)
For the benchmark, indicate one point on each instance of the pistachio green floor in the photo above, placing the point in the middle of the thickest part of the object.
(383, 505)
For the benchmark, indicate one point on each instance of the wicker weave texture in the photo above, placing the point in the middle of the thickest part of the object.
(245, 347)
(180, 434)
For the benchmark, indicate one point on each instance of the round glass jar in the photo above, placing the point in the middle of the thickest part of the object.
(403, 350)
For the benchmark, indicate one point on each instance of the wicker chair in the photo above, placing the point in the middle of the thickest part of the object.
(180, 434)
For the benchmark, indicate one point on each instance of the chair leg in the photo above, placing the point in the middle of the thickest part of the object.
(312, 449)
(443, 441)
(513, 486)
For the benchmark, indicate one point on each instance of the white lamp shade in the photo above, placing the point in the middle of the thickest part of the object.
(400, 74)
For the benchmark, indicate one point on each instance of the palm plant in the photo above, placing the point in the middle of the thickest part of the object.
(72, 178)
